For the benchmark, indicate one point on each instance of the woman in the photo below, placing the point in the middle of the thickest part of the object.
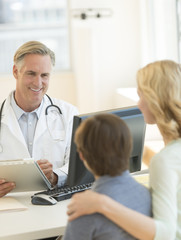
(159, 89)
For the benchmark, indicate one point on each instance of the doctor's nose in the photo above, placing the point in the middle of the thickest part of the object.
(37, 81)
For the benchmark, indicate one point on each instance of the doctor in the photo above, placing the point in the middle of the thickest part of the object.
(32, 124)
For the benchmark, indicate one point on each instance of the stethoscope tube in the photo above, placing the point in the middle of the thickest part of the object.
(1, 110)
(46, 110)
(52, 105)
(62, 136)
(46, 113)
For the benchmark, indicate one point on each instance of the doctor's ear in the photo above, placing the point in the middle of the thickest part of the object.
(15, 71)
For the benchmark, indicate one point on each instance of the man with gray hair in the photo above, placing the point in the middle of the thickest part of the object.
(32, 124)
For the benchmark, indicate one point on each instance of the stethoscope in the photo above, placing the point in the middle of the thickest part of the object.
(47, 110)
(61, 133)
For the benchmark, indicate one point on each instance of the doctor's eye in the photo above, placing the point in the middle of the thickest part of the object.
(45, 75)
(30, 73)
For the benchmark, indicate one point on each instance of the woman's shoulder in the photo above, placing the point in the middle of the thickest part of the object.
(168, 157)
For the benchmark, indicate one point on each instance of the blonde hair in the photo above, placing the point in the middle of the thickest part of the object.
(160, 84)
(33, 47)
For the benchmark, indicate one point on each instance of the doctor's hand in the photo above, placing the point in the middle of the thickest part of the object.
(6, 187)
(47, 169)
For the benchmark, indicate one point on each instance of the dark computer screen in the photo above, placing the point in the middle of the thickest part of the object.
(133, 117)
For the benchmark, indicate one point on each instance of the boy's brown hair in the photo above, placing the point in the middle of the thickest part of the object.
(105, 142)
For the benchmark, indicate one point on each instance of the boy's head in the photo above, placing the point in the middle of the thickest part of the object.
(105, 143)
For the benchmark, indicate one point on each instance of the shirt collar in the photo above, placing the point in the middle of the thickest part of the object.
(106, 178)
(19, 111)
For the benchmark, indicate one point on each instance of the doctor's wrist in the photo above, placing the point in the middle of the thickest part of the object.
(54, 179)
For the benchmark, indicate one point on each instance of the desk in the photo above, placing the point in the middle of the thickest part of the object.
(34, 223)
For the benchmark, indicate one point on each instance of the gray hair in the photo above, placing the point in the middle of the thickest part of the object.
(33, 47)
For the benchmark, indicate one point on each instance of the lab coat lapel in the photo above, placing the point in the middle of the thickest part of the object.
(41, 124)
(9, 119)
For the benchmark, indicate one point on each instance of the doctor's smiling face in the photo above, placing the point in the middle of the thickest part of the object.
(32, 79)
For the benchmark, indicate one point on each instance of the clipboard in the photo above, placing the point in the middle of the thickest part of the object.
(26, 173)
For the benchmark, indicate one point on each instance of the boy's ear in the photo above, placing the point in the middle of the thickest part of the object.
(81, 156)
(84, 161)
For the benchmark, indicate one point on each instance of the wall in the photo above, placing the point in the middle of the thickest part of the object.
(7, 84)
(106, 53)
(159, 37)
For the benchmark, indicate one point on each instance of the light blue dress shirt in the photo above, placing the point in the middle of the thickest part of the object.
(27, 122)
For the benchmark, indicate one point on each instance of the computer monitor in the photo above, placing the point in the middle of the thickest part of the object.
(133, 117)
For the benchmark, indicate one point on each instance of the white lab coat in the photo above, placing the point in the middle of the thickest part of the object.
(44, 147)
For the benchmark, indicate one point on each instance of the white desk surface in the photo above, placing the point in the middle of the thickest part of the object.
(36, 222)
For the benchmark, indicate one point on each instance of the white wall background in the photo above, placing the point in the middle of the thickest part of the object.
(107, 52)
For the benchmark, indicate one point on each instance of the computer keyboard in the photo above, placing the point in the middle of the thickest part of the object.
(66, 192)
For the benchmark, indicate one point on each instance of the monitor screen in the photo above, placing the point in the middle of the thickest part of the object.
(133, 117)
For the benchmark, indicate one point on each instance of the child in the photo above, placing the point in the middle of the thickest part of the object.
(104, 144)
